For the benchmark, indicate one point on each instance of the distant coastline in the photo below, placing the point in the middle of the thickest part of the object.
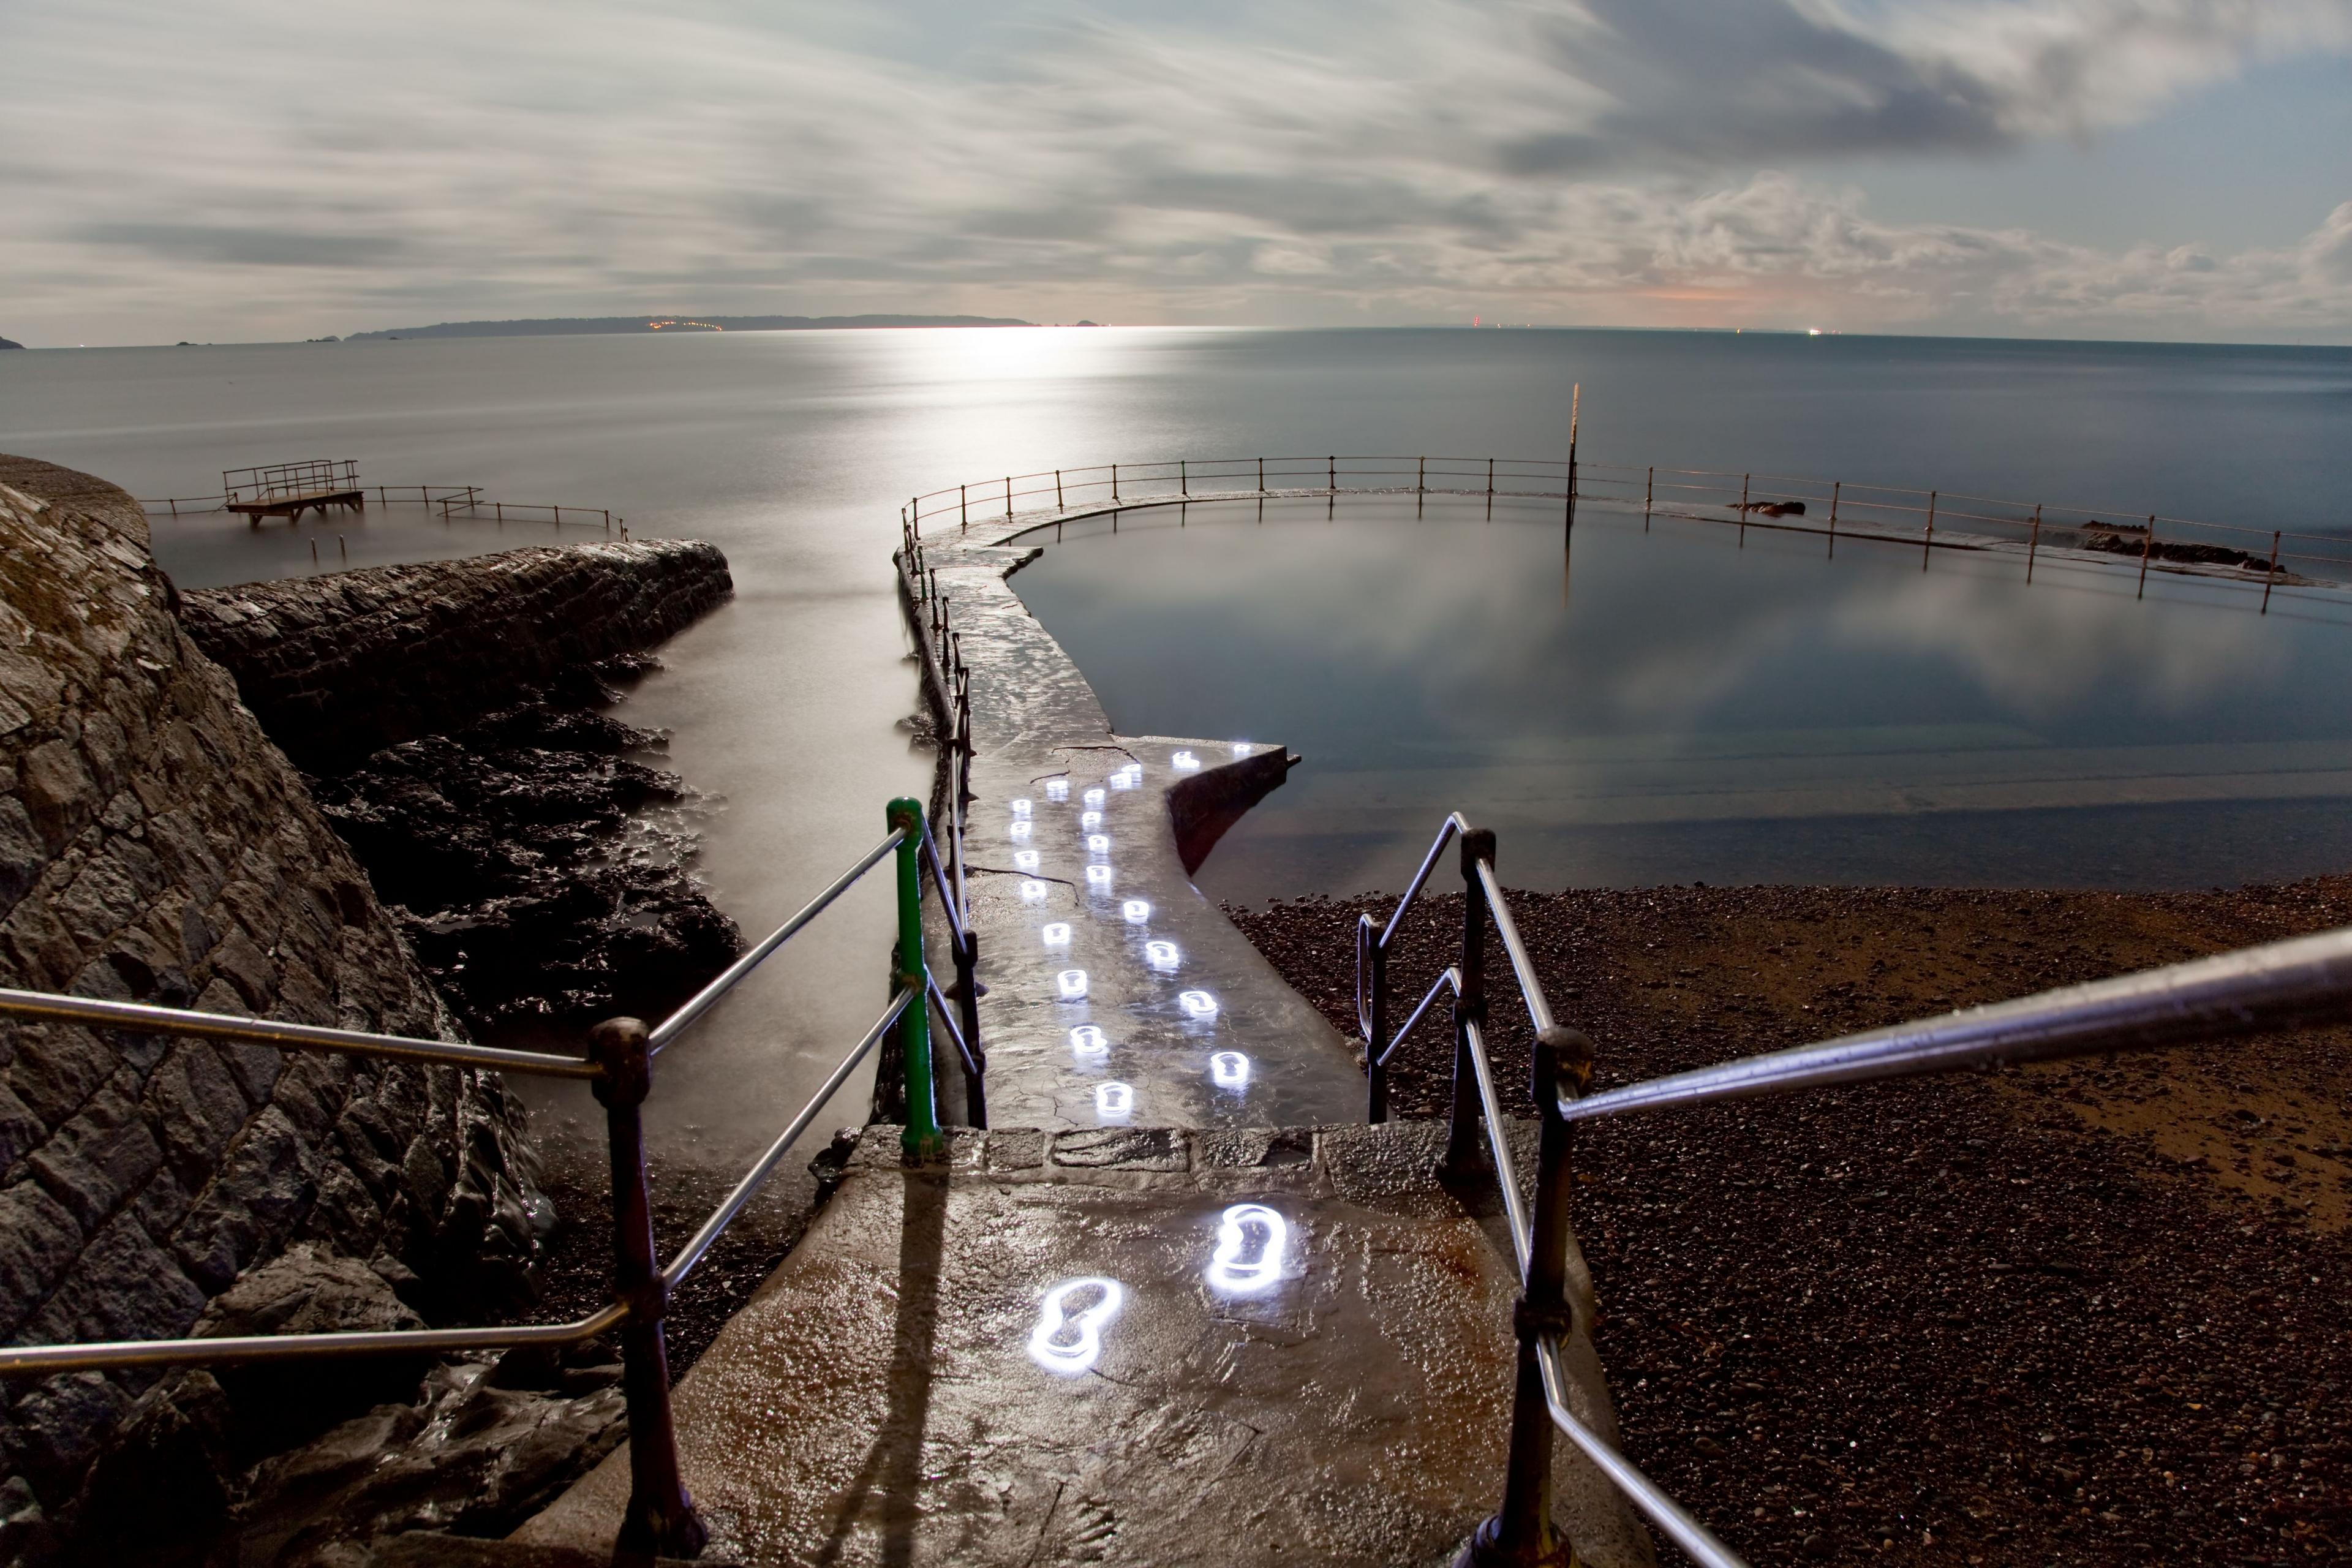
(566, 326)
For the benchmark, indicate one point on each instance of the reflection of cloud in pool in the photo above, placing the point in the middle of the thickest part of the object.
(2043, 653)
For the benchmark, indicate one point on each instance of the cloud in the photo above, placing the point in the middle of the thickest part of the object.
(1605, 160)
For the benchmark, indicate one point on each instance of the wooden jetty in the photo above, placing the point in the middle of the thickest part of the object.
(289, 489)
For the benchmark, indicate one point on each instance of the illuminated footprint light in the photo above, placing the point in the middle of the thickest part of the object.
(1098, 843)
(1072, 985)
(1114, 1102)
(1025, 859)
(1088, 1041)
(1162, 955)
(1098, 875)
(1019, 828)
(1056, 934)
(1069, 1345)
(1185, 761)
(1229, 1069)
(1057, 789)
(1128, 777)
(1231, 1271)
(1020, 809)
(1090, 820)
(1137, 911)
(1243, 748)
(1093, 797)
(1197, 1004)
(1032, 890)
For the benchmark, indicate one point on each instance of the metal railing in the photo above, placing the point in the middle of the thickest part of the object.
(448, 500)
(1928, 518)
(289, 482)
(2304, 981)
(618, 1066)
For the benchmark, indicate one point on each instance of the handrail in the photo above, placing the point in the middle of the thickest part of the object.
(1498, 1144)
(1662, 1510)
(115, 1355)
(683, 1262)
(146, 1017)
(2300, 981)
(1449, 978)
(972, 1063)
(939, 880)
(702, 1001)
(1523, 968)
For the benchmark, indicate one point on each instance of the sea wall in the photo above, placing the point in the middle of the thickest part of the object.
(154, 845)
(342, 666)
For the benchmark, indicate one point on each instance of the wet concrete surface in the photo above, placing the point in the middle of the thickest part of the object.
(1050, 1352)
(1200, 1030)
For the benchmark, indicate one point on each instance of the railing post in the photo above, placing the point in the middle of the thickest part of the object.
(1743, 509)
(1331, 474)
(1261, 476)
(1372, 1015)
(1929, 543)
(1057, 491)
(1521, 1532)
(1462, 1141)
(1183, 477)
(1008, 495)
(1113, 483)
(2147, 547)
(1649, 489)
(1420, 478)
(660, 1520)
(2272, 576)
(921, 1137)
(967, 968)
(2034, 545)
(963, 505)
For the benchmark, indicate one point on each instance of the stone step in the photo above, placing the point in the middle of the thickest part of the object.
(1066, 1347)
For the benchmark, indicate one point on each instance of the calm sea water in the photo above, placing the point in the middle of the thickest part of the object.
(793, 451)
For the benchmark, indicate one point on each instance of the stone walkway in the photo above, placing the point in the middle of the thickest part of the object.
(1033, 1357)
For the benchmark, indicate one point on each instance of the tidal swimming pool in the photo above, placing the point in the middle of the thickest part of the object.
(1675, 703)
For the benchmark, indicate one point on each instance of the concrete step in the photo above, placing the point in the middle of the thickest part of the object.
(1066, 1347)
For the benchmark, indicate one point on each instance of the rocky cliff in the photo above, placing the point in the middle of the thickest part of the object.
(154, 845)
(342, 666)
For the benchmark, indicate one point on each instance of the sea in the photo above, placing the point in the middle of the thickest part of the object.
(1670, 703)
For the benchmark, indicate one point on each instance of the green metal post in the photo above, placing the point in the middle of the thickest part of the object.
(921, 1137)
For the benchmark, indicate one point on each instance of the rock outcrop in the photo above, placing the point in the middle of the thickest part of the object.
(154, 845)
(342, 666)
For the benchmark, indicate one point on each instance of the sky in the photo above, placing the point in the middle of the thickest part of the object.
(266, 170)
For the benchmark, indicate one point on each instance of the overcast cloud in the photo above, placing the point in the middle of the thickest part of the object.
(248, 168)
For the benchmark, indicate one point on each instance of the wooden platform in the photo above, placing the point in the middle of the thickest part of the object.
(294, 506)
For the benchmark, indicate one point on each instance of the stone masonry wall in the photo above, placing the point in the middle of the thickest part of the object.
(341, 666)
(155, 847)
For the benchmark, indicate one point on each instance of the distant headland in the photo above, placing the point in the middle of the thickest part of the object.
(561, 326)
(4, 343)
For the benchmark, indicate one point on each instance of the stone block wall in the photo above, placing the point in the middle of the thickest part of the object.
(155, 847)
(341, 666)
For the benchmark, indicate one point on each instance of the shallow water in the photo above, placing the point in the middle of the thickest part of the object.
(793, 451)
(1676, 704)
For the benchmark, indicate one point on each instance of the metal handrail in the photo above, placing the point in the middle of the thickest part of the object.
(682, 1263)
(1449, 979)
(115, 1355)
(702, 1001)
(147, 1018)
(973, 1062)
(1695, 1540)
(2303, 980)
(939, 880)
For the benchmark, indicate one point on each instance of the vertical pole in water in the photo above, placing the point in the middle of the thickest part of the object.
(1261, 476)
(1421, 478)
(1743, 511)
(1183, 483)
(1469, 1002)
(1649, 490)
(1008, 495)
(2271, 576)
(1835, 486)
(1114, 486)
(1575, 397)
(660, 1518)
(1929, 543)
(1057, 490)
(963, 505)
(921, 1137)
(2034, 545)
(1490, 482)
(1331, 475)
(2146, 548)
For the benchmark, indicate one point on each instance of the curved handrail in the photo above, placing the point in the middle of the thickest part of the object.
(117, 1354)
